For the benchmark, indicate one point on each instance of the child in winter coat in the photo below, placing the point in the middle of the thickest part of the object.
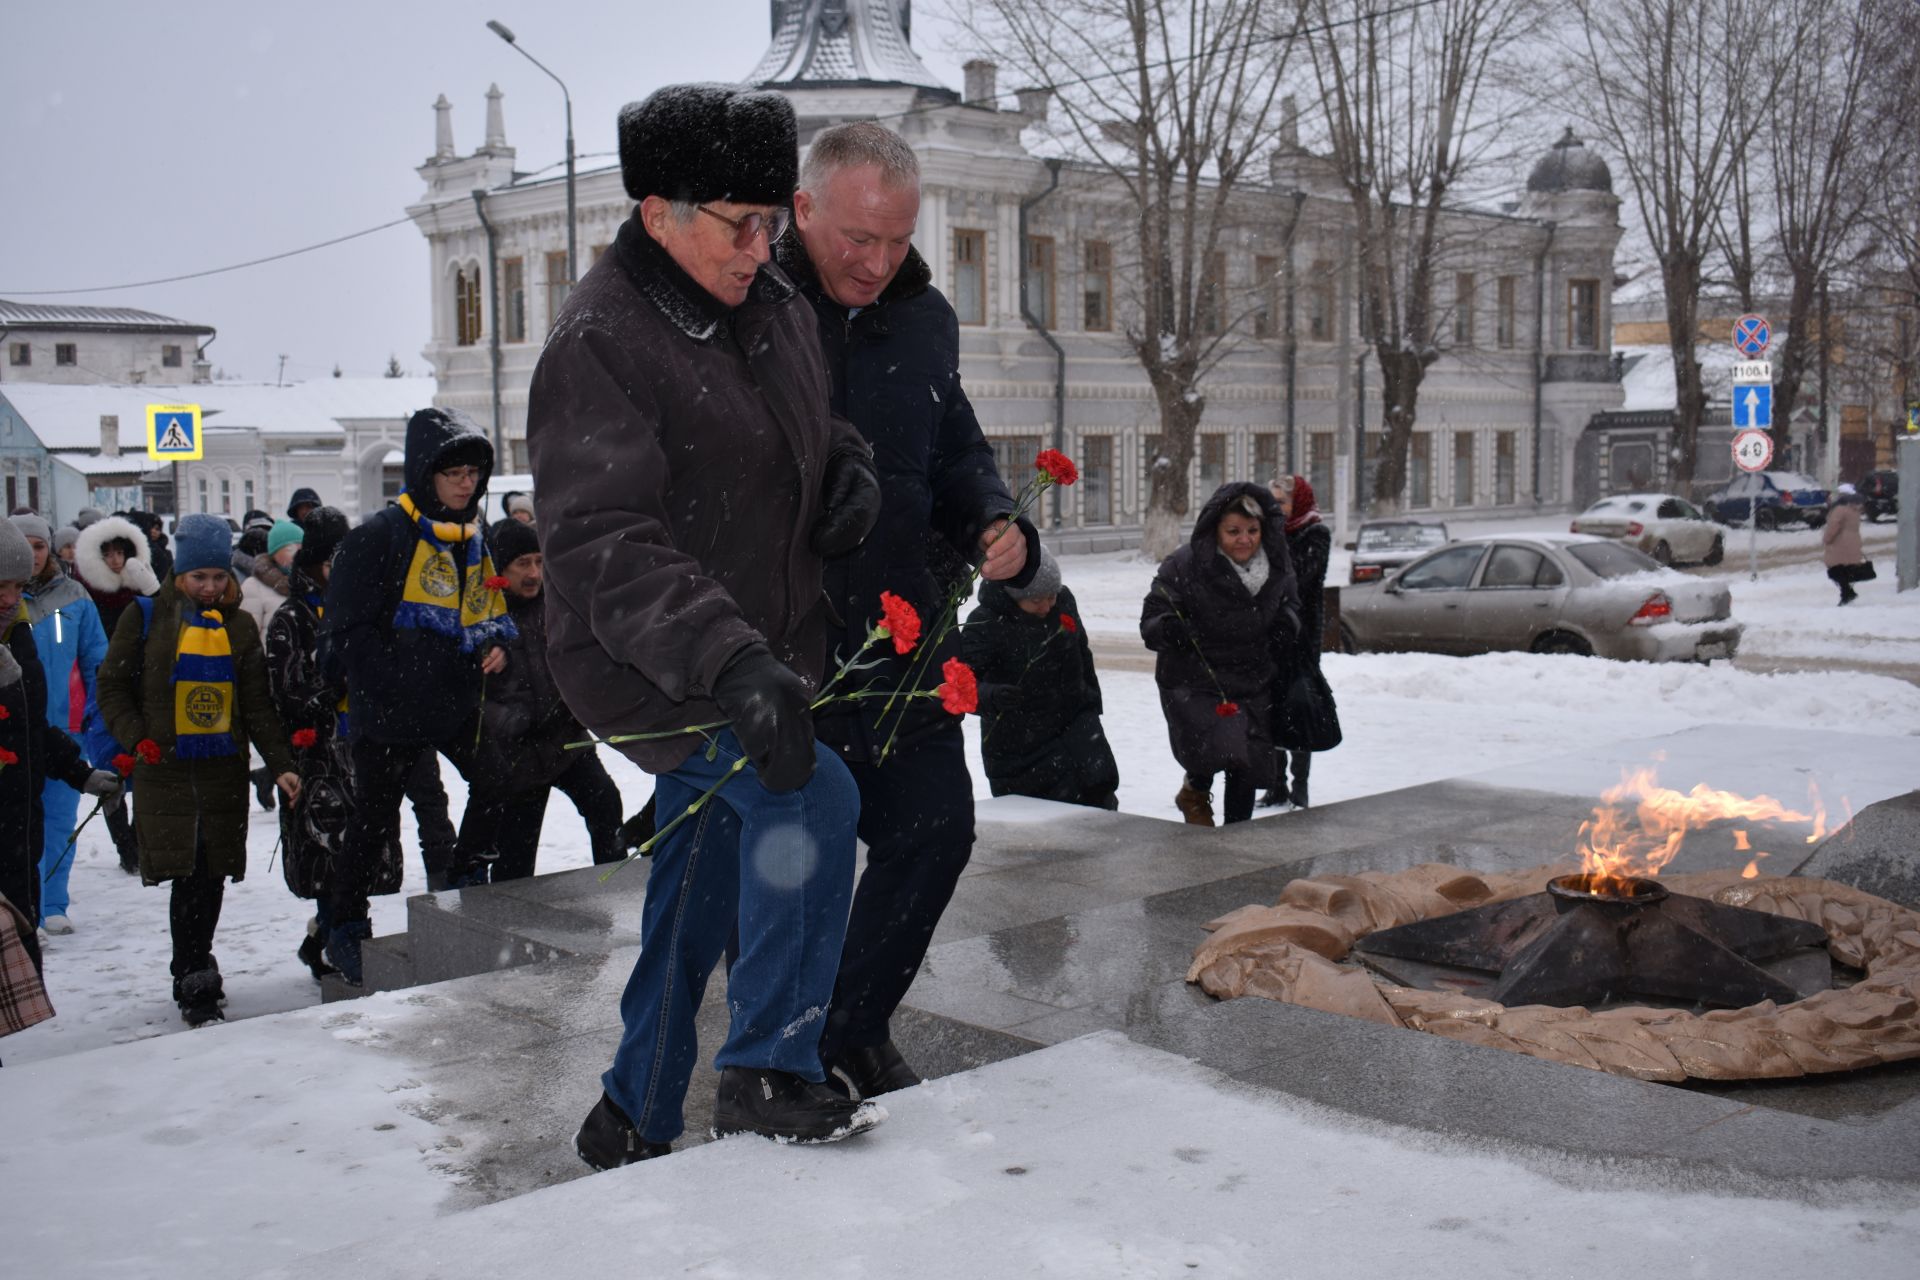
(66, 629)
(188, 686)
(111, 560)
(31, 750)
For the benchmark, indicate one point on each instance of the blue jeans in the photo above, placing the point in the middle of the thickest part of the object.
(782, 866)
(61, 804)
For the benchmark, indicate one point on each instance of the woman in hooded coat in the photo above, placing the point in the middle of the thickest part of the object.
(1219, 610)
(1309, 544)
(111, 557)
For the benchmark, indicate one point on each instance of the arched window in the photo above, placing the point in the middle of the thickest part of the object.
(466, 306)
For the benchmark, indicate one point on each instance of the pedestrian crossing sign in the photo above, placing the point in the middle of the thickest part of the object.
(173, 432)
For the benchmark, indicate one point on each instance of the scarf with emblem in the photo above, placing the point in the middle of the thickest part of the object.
(433, 598)
(203, 687)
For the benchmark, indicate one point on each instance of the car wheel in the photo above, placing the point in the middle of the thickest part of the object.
(1717, 552)
(1562, 642)
(1349, 643)
(1662, 552)
(1765, 519)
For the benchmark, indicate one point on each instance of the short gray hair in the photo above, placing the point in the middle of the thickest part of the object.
(854, 146)
(683, 210)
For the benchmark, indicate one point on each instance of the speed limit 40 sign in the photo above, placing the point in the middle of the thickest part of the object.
(1752, 450)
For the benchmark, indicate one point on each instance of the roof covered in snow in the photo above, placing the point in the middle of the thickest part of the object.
(1648, 380)
(32, 315)
(130, 462)
(68, 417)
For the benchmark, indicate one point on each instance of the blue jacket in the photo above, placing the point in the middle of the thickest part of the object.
(66, 630)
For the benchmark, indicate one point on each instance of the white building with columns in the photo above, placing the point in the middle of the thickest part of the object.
(1525, 293)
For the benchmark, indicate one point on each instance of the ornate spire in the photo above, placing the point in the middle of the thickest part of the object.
(442, 130)
(841, 42)
(496, 121)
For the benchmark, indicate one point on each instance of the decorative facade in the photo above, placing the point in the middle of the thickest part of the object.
(1525, 294)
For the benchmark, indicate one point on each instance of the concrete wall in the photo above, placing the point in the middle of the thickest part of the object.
(98, 357)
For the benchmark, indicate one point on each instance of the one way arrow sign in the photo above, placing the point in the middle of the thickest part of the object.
(1753, 407)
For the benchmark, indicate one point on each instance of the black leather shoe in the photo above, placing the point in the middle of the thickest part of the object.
(608, 1139)
(876, 1070)
(780, 1105)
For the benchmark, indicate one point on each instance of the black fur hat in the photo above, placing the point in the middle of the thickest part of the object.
(325, 528)
(703, 142)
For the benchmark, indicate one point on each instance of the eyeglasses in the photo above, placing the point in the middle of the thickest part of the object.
(457, 474)
(745, 229)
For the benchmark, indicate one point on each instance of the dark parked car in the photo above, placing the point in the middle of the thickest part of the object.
(1544, 593)
(1880, 495)
(1382, 546)
(1771, 499)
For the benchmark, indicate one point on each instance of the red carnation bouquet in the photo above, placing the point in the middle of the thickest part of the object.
(305, 738)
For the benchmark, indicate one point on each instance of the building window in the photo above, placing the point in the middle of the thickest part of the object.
(1463, 309)
(33, 491)
(1266, 288)
(170, 356)
(1096, 288)
(1210, 307)
(1040, 279)
(246, 496)
(393, 479)
(1320, 466)
(12, 493)
(1266, 456)
(558, 286)
(1014, 456)
(1503, 321)
(513, 283)
(970, 276)
(1463, 468)
(19, 354)
(466, 307)
(1583, 315)
(226, 496)
(1213, 462)
(204, 508)
(1318, 300)
(1096, 479)
(1504, 469)
(1420, 469)
(66, 353)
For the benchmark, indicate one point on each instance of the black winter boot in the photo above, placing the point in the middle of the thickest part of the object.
(876, 1070)
(608, 1139)
(1302, 764)
(343, 948)
(312, 952)
(782, 1106)
(199, 995)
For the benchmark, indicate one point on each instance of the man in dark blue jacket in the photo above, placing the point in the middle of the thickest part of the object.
(410, 629)
(892, 347)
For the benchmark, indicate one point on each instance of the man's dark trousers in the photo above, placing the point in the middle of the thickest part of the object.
(916, 819)
(382, 773)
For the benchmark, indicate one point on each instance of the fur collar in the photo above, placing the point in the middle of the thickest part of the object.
(690, 308)
(90, 561)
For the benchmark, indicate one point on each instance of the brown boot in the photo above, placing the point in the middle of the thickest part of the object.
(1195, 806)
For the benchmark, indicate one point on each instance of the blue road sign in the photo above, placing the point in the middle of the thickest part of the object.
(1751, 335)
(1753, 407)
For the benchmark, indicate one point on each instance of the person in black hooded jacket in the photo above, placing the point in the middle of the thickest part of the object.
(892, 347)
(410, 630)
(1218, 613)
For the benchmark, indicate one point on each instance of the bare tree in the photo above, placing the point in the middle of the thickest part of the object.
(1170, 100)
(1406, 91)
(1664, 80)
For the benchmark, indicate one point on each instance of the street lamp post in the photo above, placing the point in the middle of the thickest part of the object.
(500, 29)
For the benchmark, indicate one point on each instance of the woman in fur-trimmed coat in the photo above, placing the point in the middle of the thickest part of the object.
(112, 560)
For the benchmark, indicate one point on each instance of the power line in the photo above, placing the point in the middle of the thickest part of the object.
(215, 271)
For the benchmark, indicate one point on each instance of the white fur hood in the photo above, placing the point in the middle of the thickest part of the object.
(91, 563)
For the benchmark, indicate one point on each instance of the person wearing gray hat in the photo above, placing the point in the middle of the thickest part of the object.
(63, 539)
(1040, 704)
(87, 516)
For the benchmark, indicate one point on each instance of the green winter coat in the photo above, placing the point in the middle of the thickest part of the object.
(176, 800)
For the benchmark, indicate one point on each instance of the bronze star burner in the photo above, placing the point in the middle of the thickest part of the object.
(1588, 940)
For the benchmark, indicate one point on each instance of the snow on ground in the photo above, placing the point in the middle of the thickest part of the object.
(1408, 719)
(1103, 1158)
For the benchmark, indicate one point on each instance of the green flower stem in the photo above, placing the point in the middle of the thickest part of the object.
(987, 732)
(67, 852)
(698, 804)
(1192, 639)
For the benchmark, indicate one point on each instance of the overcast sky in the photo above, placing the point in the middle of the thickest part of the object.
(149, 140)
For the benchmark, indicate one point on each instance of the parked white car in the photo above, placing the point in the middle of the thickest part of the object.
(1662, 525)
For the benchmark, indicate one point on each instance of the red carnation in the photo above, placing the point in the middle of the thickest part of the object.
(7, 757)
(304, 738)
(1058, 466)
(148, 750)
(4, 713)
(1227, 710)
(1067, 623)
(123, 764)
(899, 620)
(495, 583)
(959, 694)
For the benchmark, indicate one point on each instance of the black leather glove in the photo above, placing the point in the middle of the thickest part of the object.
(1008, 699)
(850, 502)
(772, 716)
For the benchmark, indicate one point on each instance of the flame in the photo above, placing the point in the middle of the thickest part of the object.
(1639, 826)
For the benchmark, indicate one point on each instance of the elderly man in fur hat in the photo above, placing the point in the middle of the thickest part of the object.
(693, 482)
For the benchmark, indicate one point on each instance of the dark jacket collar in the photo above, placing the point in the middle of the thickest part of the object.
(909, 281)
(690, 308)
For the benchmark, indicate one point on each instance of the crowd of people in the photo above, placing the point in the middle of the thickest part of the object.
(750, 442)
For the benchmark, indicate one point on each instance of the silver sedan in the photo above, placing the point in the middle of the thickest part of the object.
(1544, 593)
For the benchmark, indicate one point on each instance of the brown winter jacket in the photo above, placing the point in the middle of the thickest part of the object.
(1842, 535)
(678, 449)
(177, 801)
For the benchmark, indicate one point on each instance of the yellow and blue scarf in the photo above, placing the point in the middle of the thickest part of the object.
(433, 599)
(203, 687)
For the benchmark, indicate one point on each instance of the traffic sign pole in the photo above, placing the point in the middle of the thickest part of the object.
(1752, 419)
